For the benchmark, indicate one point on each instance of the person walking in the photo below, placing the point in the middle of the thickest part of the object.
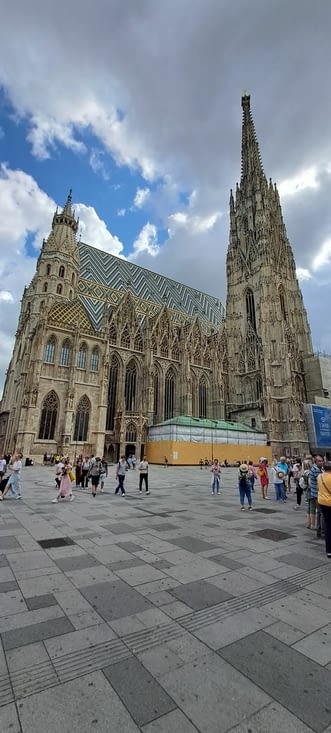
(95, 472)
(65, 489)
(120, 475)
(264, 477)
(216, 477)
(324, 502)
(315, 471)
(103, 473)
(86, 465)
(14, 483)
(3, 467)
(244, 485)
(143, 475)
(298, 475)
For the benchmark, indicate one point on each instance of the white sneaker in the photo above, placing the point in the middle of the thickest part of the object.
(55, 501)
(71, 498)
(19, 496)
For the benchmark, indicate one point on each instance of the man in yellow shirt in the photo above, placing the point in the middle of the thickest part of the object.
(324, 500)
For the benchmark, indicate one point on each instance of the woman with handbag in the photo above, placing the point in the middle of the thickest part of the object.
(66, 478)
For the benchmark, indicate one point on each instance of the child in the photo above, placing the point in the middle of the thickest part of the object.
(252, 474)
(244, 487)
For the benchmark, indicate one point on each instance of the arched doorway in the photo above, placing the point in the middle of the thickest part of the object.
(130, 450)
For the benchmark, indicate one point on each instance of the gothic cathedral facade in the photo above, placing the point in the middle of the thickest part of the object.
(104, 349)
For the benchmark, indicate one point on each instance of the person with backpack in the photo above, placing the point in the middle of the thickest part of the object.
(120, 475)
(94, 473)
(244, 484)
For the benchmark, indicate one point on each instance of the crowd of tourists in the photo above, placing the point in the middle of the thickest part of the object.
(310, 479)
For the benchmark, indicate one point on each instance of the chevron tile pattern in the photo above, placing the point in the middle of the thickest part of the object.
(104, 278)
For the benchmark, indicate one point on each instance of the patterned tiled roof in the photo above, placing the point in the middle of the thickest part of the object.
(104, 278)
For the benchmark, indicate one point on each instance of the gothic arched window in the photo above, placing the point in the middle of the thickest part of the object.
(95, 357)
(112, 394)
(258, 387)
(130, 386)
(203, 397)
(131, 433)
(45, 287)
(82, 419)
(250, 308)
(282, 300)
(125, 338)
(112, 334)
(73, 278)
(48, 270)
(61, 271)
(138, 343)
(81, 356)
(59, 289)
(65, 355)
(169, 394)
(50, 350)
(155, 397)
(175, 352)
(164, 348)
(48, 417)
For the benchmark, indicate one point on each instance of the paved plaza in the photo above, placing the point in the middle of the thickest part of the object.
(169, 613)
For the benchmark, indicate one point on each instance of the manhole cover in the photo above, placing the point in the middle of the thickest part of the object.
(264, 510)
(272, 534)
(56, 542)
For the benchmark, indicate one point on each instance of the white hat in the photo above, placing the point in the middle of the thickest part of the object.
(262, 459)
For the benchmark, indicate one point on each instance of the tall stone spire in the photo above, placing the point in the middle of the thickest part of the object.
(251, 164)
(268, 334)
(67, 215)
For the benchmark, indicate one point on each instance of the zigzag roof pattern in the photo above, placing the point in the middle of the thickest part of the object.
(104, 277)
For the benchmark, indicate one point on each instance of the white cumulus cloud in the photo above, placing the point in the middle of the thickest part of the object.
(142, 194)
(146, 242)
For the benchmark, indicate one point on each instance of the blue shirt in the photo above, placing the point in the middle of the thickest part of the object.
(313, 476)
(282, 467)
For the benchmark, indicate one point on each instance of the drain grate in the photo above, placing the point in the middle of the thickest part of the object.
(272, 534)
(56, 542)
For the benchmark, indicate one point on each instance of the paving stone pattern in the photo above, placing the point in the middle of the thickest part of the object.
(169, 613)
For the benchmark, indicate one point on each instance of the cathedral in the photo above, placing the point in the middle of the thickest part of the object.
(105, 349)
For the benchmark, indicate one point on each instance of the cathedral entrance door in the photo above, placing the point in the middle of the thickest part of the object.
(130, 450)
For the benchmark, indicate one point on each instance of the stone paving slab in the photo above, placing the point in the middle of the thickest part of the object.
(258, 656)
(172, 595)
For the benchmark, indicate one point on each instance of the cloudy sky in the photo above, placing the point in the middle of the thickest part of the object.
(135, 104)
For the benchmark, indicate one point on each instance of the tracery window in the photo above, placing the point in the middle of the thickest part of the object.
(131, 433)
(125, 338)
(203, 398)
(250, 308)
(95, 358)
(112, 394)
(282, 300)
(155, 397)
(82, 419)
(169, 394)
(65, 355)
(48, 417)
(130, 387)
(138, 343)
(164, 348)
(81, 357)
(50, 350)
(175, 352)
(112, 334)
